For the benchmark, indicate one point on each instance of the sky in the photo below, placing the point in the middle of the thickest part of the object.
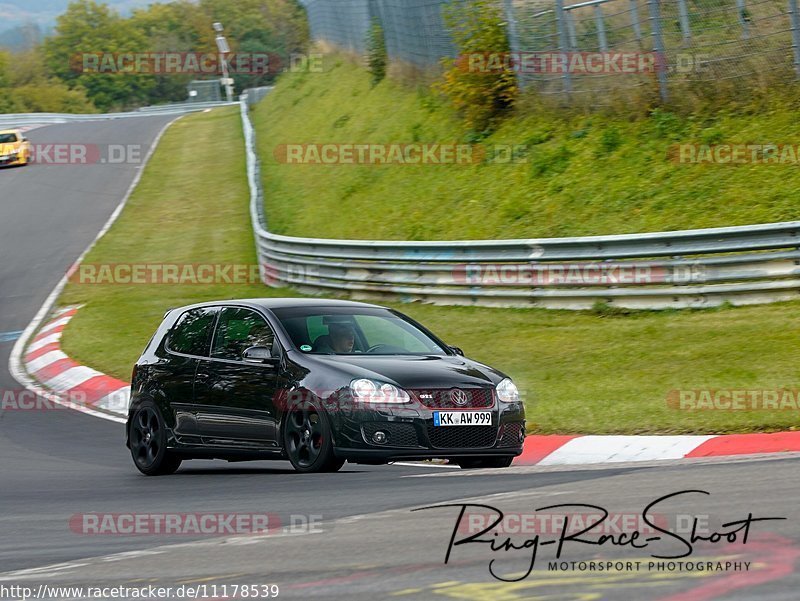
(14, 13)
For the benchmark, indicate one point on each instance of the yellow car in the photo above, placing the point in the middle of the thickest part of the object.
(15, 149)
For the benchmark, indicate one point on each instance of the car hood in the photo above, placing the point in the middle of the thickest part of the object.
(416, 372)
(9, 148)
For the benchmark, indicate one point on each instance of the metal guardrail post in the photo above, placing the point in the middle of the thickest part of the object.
(601, 28)
(795, 26)
(658, 46)
(563, 44)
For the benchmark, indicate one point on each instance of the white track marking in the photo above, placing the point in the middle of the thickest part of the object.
(614, 449)
(74, 376)
(61, 321)
(44, 341)
(116, 402)
(45, 360)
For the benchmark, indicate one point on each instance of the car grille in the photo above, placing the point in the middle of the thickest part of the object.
(397, 434)
(477, 398)
(467, 437)
(510, 436)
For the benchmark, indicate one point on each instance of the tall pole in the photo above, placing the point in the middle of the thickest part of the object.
(794, 19)
(658, 43)
(563, 43)
(224, 48)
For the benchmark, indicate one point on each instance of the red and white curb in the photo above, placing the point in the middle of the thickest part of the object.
(107, 396)
(76, 384)
(563, 450)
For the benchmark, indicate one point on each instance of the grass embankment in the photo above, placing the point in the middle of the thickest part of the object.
(584, 372)
(584, 174)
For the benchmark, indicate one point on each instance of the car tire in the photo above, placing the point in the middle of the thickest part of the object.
(148, 442)
(308, 440)
(484, 462)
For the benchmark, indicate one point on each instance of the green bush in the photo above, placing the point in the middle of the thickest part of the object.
(482, 95)
(377, 58)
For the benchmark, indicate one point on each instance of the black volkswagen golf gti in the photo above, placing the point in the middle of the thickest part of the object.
(317, 382)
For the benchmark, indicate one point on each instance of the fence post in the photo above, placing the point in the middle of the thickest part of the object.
(683, 17)
(658, 46)
(601, 28)
(563, 44)
(513, 40)
(795, 34)
(573, 38)
(740, 9)
(637, 28)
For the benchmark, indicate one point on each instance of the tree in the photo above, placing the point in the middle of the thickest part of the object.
(89, 29)
(7, 102)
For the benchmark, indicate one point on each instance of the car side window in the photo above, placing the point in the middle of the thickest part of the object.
(191, 333)
(237, 330)
(315, 327)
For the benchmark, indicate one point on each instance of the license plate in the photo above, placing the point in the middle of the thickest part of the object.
(462, 418)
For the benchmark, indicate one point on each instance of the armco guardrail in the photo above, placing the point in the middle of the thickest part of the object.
(690, 268)
(22, 119)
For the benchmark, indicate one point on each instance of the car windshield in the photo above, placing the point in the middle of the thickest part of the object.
(8, 138)
(351, 331)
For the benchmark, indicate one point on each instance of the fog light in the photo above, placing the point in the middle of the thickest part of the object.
(379, 437)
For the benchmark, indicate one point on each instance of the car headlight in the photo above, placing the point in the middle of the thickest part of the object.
(507, 391)
(369, 391)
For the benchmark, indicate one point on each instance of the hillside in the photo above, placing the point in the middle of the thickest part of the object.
(578, 175)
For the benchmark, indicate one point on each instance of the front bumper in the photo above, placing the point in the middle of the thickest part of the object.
(410, 434)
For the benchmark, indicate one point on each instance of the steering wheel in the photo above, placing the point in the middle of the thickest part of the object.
(383, 347)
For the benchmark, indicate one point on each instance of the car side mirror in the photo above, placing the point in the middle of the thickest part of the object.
(258, 354)
(24, 139)
(457, 350)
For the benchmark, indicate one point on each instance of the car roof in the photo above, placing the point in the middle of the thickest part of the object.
(282, 303)
(10, 131)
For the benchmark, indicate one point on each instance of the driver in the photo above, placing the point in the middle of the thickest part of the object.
(342, 337)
